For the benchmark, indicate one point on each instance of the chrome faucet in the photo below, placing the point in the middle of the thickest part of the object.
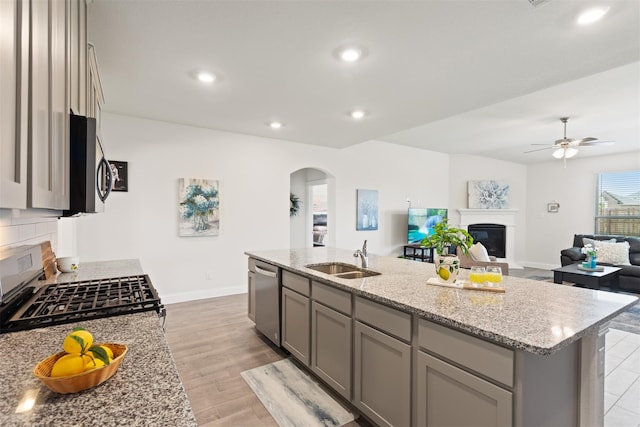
(362, 253)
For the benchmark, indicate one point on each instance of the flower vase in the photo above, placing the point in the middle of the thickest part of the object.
(447, 267)
(591, 261)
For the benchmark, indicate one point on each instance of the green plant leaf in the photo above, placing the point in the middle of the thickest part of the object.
(99, 353)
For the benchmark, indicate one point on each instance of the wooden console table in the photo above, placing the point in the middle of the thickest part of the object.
(418, 253)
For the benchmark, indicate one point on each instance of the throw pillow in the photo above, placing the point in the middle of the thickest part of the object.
(594, 243)
(479, 253)
(613, 253)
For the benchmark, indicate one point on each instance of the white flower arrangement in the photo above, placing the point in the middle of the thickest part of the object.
(589, 250)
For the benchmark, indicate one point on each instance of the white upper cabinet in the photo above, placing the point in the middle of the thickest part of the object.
(14, 76)
(43, 75)
(78, 57)
(49, 117)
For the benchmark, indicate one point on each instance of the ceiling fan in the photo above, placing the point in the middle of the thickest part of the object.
(565, 148)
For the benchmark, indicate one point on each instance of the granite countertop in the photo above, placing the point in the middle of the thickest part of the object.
(534, 316)
(146, 389)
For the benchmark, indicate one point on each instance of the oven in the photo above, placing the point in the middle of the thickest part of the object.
(27, 304)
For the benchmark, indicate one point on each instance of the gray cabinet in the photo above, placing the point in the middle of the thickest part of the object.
(14, 84)
(447, 395)
(382, 365)
(295, 324)
(48, 185)
(331, 347)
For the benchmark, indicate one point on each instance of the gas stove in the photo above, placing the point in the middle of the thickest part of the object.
(26, 305)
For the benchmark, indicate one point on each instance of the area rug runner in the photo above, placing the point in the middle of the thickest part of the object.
(293, 398)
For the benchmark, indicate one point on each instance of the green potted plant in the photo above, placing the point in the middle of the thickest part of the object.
(442, 239)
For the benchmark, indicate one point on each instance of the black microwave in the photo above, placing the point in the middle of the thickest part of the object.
(90, 176)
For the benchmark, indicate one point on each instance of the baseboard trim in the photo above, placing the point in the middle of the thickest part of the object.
(540, 265)
(196, 295)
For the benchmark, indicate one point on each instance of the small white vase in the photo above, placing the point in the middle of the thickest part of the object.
(447, 267)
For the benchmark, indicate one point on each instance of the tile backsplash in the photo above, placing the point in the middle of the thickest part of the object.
(18, 227)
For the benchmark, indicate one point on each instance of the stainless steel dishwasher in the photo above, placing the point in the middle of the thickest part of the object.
(268, 301)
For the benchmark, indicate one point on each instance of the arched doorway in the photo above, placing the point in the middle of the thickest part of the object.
(314, 224)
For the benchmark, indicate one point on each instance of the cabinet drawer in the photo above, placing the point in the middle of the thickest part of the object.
(387, 319)
(293, 281)
(331, 297)
(488, 359)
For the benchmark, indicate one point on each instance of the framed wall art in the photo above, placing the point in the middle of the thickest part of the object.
(120, 174)
(199, 207)
(367, 210)
(488, 194)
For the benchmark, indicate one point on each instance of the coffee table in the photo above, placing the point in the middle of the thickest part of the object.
(589, 279)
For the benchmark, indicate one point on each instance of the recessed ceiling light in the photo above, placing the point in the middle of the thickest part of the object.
(275, 125)
(350, 54)
(206, 77)
(592, 15)
(357, 114)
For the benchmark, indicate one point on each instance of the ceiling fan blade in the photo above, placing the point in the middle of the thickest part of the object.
(596, 142)
(539, 149)
(583, 140)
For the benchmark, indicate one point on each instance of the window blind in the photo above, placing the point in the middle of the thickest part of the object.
(618, 203)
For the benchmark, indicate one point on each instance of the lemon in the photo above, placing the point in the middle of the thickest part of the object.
(92, 363)
(69, 364)
(444, 273)
(77, 341)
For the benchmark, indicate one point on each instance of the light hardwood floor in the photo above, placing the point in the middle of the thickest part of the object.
(212, 341)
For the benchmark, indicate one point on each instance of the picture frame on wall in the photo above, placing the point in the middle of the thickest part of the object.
(367, 210)
(198, 207)
(120, 173)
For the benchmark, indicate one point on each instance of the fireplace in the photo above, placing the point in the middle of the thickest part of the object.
(506, 217)
(492, 237)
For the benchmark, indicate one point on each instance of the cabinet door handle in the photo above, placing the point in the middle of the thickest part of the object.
(266, 272)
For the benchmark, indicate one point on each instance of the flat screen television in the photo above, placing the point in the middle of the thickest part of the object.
(421, 221)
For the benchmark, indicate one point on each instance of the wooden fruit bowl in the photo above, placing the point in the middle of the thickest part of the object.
(81, 381)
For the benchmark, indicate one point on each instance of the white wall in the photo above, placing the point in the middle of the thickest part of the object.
(254, 175)
(575, 189)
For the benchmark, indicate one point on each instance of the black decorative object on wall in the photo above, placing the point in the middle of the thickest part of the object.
(120, 175)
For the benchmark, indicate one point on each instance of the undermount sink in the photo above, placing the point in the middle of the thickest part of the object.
(358, 274)
(342, 270)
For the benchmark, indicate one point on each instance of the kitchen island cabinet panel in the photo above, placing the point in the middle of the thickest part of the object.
(295, 324)
(488, 359)
(331, 347)
(447, 395)
(387, 319)
(382, 377)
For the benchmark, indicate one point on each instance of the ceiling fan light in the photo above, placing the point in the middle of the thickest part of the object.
(570, 152)
(558, 154)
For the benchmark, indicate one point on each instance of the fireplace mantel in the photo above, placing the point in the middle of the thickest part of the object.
(506, 217)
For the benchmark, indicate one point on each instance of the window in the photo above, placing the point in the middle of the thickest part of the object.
(618, 203)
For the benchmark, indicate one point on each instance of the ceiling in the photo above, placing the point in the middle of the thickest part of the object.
(477, 77)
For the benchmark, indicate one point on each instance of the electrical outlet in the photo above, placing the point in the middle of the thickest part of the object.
(208, 276)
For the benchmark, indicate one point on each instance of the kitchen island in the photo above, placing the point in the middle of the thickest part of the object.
(146, 389)
(534, 354)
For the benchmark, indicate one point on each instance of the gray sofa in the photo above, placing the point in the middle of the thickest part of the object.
(629, 275)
